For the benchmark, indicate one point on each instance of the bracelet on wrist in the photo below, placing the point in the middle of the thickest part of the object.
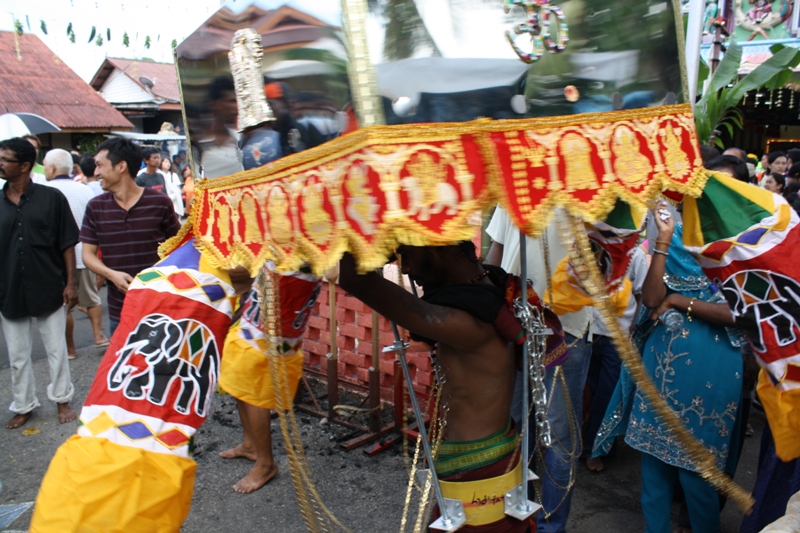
(689, 309)
(665, 243)
(660, 252)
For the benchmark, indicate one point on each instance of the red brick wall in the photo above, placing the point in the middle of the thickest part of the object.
(354, 342)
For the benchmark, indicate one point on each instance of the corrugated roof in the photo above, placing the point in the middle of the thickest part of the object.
(41, 83)
(163, 75)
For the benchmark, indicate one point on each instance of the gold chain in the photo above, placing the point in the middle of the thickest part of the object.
(588, 272)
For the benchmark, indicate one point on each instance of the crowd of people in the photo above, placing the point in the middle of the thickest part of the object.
(102, 217)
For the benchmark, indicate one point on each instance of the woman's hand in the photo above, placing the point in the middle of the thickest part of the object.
(664, 221)
(672, 301)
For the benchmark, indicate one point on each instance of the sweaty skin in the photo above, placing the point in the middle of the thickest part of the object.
(478, 364)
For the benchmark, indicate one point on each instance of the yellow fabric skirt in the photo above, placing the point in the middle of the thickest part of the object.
(246, 373)
(96, 486)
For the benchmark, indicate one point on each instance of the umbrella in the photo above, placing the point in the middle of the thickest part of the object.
(18, 124)
(37, 124)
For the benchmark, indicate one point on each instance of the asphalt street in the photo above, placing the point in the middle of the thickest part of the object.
(367, 494)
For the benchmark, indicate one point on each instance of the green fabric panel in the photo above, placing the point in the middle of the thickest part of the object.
(725, 213)
(620, 217)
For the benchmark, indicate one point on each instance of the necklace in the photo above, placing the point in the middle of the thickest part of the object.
(480, 276)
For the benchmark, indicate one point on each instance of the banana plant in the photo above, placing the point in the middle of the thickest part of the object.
(716, 110)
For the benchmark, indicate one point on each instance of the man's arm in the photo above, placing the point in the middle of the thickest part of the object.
(71, 290)
(121, 280)
(451, 326)
(495, 255)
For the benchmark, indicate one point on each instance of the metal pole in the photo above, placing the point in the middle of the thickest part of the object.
(526, 386)
(374, 378)
(333, 357)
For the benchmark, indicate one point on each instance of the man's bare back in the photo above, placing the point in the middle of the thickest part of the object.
(478, 364)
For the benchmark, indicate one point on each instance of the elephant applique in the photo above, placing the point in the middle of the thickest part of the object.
(764, 301)
(162, 353)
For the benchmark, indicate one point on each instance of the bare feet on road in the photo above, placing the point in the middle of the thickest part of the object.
(239, 451)
(595, 464)
(257, 477)
(17, 421)
(65, 413)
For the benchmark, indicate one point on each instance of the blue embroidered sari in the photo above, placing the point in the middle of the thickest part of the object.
(696, 366)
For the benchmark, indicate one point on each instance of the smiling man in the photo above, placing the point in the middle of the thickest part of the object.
(127, 222)
(37, 279)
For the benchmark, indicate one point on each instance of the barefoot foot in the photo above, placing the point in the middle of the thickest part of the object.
(239, 451)
(257, 477)
(595, 464)
(17, 421)
(65, 413)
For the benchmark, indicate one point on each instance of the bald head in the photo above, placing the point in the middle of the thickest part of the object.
(736, 152)
(57, 162)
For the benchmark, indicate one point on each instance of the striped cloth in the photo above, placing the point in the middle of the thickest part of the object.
(128, 239)
(748, 242)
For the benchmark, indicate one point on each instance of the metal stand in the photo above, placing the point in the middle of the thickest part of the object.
(452, 511)
(516, 502)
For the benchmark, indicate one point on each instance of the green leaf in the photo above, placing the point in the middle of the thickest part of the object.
(765, 72)
(94, 32)
(718, 143)
(702, 75)
(18, 27)
(43, 26)
(69, 29)
(727, 70)
(108, 34)
(99, 41)
(147, 42)
(126, 41)
(174, 43)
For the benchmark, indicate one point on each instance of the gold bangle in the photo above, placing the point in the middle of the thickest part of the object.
(667, 243)
(689, 309)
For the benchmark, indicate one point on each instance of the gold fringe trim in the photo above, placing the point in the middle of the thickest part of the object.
(591, 278)
(310, 187)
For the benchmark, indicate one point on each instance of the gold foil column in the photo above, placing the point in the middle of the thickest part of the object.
(366, 98)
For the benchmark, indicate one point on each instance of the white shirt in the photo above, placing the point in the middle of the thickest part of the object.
(637, 271)
(78, 196)
(503, 231)
(173, 188)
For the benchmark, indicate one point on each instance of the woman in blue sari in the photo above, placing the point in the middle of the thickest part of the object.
(696, 365)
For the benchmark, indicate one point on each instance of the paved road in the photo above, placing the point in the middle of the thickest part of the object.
(365, 493)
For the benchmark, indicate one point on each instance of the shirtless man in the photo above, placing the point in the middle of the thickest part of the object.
(478, 363)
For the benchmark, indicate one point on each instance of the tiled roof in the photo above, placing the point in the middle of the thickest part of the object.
(41, 83)
(162, 74)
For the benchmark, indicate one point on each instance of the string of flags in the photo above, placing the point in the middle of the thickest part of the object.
(94, 35)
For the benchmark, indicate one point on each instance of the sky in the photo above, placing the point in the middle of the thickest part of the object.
(162, 20)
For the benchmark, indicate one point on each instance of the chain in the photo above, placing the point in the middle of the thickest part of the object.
(536, 342)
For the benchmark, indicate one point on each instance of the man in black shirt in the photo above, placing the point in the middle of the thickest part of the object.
(37, 279)
(152, 177)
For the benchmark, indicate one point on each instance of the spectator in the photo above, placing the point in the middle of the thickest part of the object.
(127, 222)
(76, 173)
(732, 165)
(37, 279)
(775, 182)
(736, 152)
(790, 194)
(57, 164)
(174, 185)
(37, 173)
(149, 175)
(88, 167)
(793, 174)
(792, 157)
(707, 153)
(188, 188)
(776, 164)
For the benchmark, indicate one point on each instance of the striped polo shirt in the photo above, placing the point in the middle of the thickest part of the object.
(128, 239)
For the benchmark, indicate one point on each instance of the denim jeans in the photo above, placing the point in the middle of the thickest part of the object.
(558, 464)
(112, 327)
(603, 376)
